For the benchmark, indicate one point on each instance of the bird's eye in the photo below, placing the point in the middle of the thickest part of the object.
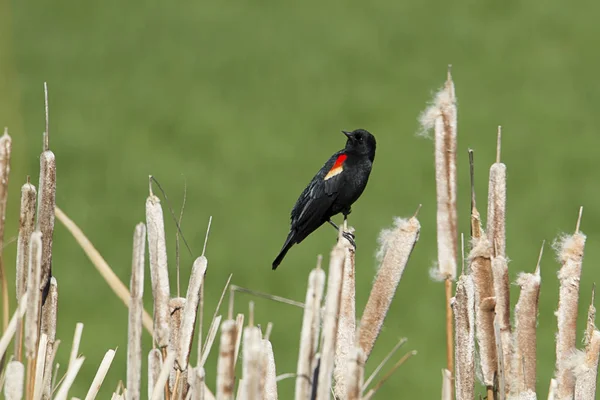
(360, 139)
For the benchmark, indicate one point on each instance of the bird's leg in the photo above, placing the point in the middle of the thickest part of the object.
(348, 235)
(337, 228)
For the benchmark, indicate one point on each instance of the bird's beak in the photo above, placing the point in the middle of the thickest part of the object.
(348, 134)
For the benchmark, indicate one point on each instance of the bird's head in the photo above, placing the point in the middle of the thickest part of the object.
(361, 142)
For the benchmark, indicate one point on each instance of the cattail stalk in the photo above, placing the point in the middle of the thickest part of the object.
(355, 374)
(252, 364)
(309, 336)
(396, 245)
(32, 327)
(13, 381)
(49, 317)
(163, 377)
(210, 338)
(446, 385)
(496, 212)
(502, 294)
(12, 325)
(5, 152)
(40, 367)
(270, 389)
(330, 319)
(346, 324)
(587, 372)
(525, 336)
(100, 375)
(26, 227)
(464, 316)
(159, 274)
(136, 308)
(45, 212)
(155, 364)
(570, 253)
(225, 364)
(190, 311)
(485, 302)
(176, 306)
(70, 376)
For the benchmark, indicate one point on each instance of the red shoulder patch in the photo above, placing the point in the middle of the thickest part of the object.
(337, 168)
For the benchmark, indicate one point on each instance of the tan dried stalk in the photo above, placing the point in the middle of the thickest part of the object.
(72, 371)
(45, 212)
(252, 364)
(481, 268)
(552, 390)
(355, 374)
(101, 265)
(136, 309)
(590, 325)
(396, 245)
(32, 327)
(464, 316)
(26, 227)
(210, 338)
(163, 377)
(190, 311)
(197, 386)
(49, 373)
(155, 363)
(476, 230)
(38, 383)
(309, 336)
(570, 253)
(100, 375)
(270, 389)
(176, 306)
(330, 319)
(239, 329)
(586, 373)
(76, 342)
(502, 293)
(369, 395)
(446, 385)
(496, 212)
(5, 152)
(159, 273)
(12, 325)
(525, 335)
(49, 317)
(225, 363)
(346, 325)
(13, 383)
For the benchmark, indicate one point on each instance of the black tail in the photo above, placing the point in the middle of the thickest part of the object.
(289, 242)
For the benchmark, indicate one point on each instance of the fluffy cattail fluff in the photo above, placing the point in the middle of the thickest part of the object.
(13, 382)
(396, 245)
(442, 117)
(355, 373)
(45, 212)
(270, 389)
(502, 293)
(586, 369)
(464, 317)
(570, 253)
(485, 303)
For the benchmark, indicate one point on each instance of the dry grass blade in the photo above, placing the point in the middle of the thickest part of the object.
(136, 310)
(76, 342)
(225, 364)
(383, 362)
(203, 349)
(70, 376)
(13, 383)
(270, 389)
(12, 325)
(485, 302)
(590, 326)
(387, 376)
(330, 319)
(5, 152)
(309, 336)
(268, 296)
(570, 253)
(101, 265)
(346, 325)
(32, 327)
(252, 364)
(446, 385)
(163, 377)
(524, 361)
(239, 328)
(355, 374)
(395, 249)
(159, 273)
(100, 375)
(155, 363)
(210, 338)
(26, 227)
(552, 390)
(191, 311)
(464, 317)
(40, 367)
(45, 212)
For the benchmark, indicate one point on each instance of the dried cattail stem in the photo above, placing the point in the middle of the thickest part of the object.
(26, 227)
(69, 378)
(502, 293)
(396, 245)
(476, 230)
(32, 327)
(590, 325)
(155, 363)
(225, 364)
(464, 315)
(485, 302)
(45, 212)
(136, 309)
(309, 336)
(176, 306)
(570, 253)
(158, 269)
(270, 387)
(210, 338)
(13, 381)
(100, 375)
(50, 373)
(355, 374)
(12, 325)
(346, 325)
(191, 311)
(252, 364)
(446, 385)
(496, 212)
(586, 373)
(5, 152)
(525, 336)
(163, 377)
(330, 319)
(49, 318)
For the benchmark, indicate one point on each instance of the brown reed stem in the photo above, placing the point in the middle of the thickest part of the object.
(5, 153)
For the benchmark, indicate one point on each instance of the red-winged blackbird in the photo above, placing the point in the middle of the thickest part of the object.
(333, 190)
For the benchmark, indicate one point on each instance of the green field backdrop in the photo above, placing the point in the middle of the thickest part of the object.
(244, 101)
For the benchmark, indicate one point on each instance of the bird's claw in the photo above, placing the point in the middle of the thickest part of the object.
(350, 237)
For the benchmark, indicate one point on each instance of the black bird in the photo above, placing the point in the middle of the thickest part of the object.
(333, 190)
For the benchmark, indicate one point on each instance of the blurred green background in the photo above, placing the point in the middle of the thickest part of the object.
(244, 101)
